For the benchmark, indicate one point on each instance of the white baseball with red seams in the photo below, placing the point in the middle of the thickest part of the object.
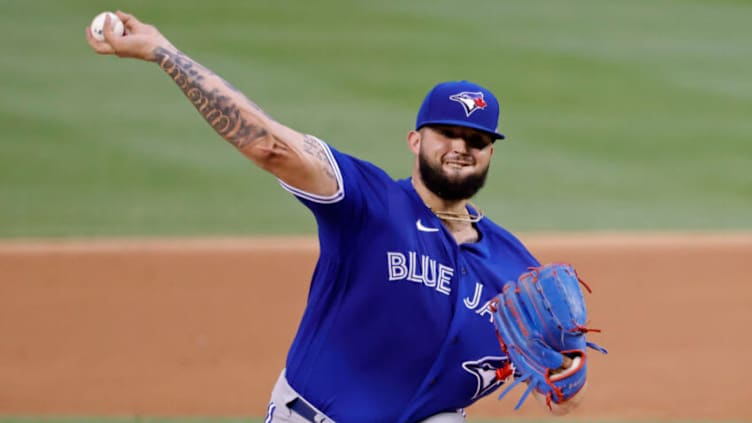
(97, 25)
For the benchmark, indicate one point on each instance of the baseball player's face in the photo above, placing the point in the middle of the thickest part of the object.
(453, 161)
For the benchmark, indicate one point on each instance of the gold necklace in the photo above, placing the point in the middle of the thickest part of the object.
(461, 217)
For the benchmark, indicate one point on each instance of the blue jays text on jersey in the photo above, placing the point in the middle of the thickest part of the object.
(397, 325)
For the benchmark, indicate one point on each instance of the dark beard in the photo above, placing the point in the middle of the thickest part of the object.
(435, 180)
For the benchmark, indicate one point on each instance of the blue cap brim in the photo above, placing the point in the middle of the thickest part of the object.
(466, 124)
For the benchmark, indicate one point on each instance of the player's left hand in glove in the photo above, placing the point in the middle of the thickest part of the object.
(540, 319)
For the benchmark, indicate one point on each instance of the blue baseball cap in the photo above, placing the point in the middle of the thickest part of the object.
(460, 103)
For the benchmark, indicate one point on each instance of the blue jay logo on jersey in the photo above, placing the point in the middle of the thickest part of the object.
(470, 101)
(484, 371)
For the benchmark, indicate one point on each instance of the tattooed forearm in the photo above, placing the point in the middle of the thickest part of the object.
(216, 106)
(247, 101)
(314, 148)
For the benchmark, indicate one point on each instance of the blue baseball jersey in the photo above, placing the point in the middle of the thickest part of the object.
(397, 325)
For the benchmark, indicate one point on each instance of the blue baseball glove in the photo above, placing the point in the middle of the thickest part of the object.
(539, 319)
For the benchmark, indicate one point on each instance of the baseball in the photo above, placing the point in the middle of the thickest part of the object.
(97, 25)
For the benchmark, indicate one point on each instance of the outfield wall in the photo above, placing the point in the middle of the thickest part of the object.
(200, 327)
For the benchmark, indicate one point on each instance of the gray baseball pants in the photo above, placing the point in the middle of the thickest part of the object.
(284, 399)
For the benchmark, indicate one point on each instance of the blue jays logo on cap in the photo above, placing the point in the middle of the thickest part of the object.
(460, 103)
(471, 101)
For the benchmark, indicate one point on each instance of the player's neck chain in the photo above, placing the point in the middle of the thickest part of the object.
(460, 217)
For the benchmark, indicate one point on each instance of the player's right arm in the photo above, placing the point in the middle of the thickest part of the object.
(297, 159)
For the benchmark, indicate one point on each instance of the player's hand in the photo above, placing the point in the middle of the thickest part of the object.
(139, 42)
(567, 363)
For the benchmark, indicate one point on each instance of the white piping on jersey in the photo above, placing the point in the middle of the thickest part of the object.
(270, 412)
(423, 228)
(322, 199)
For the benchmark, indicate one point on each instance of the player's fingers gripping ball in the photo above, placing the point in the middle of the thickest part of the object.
(540, 318)
(97, 25)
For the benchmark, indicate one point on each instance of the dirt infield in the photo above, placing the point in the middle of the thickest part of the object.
(200, 327)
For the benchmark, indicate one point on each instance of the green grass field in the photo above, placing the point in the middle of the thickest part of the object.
(620, 114)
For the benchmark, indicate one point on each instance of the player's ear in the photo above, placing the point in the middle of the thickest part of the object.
(413, 141)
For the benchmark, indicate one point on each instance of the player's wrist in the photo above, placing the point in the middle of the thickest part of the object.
(159, 51)
(567, 363)
(571, 365)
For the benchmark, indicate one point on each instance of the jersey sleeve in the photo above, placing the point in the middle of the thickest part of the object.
(362, 192)
(313, 199)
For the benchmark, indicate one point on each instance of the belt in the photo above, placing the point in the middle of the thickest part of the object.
(306, 411)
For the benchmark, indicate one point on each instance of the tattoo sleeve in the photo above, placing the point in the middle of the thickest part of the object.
(241, 122)
(218, 104)
(313, 147)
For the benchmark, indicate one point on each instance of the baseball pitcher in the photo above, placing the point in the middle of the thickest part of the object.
(419, 305)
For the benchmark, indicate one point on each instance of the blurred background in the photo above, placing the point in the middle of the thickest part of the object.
(622, 117)
(619, 114)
